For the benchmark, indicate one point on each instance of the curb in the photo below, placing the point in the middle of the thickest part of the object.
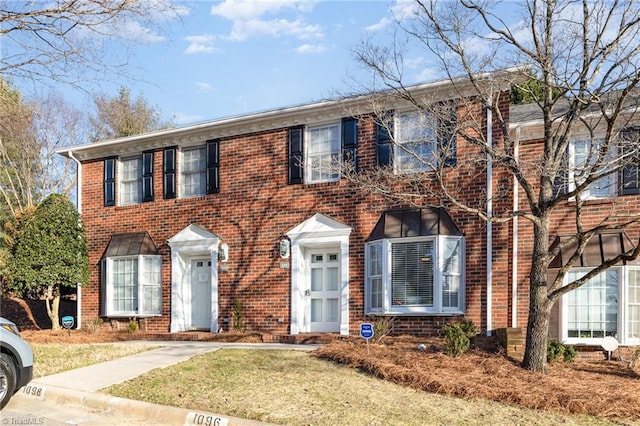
(111, 405)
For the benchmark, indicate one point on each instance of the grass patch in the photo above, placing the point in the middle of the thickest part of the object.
(52, 358)
(296, 388)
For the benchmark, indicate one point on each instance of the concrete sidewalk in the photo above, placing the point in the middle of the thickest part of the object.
(77, 388)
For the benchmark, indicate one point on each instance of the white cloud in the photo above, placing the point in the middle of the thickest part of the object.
(381, 24)
(132, 30)
(311, 48)
(248, 18)
(200, 44)
(274, 28)
(202, 87)
(242, 10)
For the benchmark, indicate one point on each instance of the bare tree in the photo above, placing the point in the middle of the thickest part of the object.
(122, 116)
(65, 41)
(586, 57)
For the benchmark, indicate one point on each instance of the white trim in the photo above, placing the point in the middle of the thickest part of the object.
(193, 241)
(318, 231)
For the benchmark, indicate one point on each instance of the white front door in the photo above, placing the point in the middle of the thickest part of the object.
(323, 308)
(201, 293)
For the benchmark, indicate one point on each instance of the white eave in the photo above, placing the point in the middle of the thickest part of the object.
(263, 121)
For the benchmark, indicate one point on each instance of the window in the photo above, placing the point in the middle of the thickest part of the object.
(193, 174)
(130, 181)
(315, 154)
(133, 285)
(416, 142)
(629, 175)
(607, 305)
(323, 153)
(420, 275)
(583, 154)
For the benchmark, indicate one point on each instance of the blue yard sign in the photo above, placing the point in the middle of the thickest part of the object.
(366, 330)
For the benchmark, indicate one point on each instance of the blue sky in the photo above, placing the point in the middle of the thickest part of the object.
(232, 57)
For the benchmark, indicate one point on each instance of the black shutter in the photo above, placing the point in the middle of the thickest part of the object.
(384, 144)
(110, 182)
(296, 168)
(630, 173)
(350, 141)
(561, 181)
(169, 173)
(447, 135)
(213, 166)
(147, 176)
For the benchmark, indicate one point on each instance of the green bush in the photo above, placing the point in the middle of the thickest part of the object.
(456, 340)
(570, 354)
(557, 351)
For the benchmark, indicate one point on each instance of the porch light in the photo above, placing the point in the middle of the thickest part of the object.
(285, 248)
(223, 253)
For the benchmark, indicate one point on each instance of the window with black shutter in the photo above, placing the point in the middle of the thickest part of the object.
(630, 173)
(169, 173)
(110, 182)
(384, 144)
(350, 141)
(295, 166)
(147, 176)
(213, 166)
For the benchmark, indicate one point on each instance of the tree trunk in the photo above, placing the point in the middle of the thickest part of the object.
(53, 306)
(535, 354)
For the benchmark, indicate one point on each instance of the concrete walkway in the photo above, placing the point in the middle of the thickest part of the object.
(78, 388)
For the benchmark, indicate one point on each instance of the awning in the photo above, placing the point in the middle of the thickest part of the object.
(413, 223)
(600, 247)
(130, 244)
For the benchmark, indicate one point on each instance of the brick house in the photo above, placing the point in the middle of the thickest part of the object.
(189, 226)
(608, 304)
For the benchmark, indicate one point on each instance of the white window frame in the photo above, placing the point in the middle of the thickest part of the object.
(624, 311)
(125, 182)
(437, 308)
(145, 280)
(330, 160)
(422, 157)
(183, 173)
(609, 183)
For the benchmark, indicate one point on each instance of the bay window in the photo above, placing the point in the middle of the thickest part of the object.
(417, 275)
(607, 305)
(133, 285)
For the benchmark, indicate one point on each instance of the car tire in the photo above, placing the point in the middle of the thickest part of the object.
(7, 379)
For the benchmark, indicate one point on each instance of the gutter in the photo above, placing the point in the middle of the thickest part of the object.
(489, 223)
(79, 207)
(514, 255)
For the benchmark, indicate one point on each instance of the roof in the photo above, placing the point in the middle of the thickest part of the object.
(277, 118)
(601, 247)
(130, 244)
(401, 223)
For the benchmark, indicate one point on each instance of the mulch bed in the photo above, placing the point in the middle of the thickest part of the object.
(604, 389)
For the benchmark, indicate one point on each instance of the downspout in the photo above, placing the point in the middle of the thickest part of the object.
(79, 207)
(489, 224)
(514, 255)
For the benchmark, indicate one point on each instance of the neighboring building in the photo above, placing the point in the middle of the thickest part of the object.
(187, 226)
(609, 304)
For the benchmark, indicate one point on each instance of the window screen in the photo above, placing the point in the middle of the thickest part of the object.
(412, 273)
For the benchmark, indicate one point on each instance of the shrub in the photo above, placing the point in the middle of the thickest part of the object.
(238, 316)
(557, 351)
(570, 354)
(456, 340)
(133, 326)
(382, 327)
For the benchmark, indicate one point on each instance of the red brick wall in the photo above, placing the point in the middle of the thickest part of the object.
(253, 210)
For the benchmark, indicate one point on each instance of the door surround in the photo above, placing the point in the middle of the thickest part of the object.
(319, 231)
(190, 243)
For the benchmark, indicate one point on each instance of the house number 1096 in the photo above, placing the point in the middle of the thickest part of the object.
(207, 420)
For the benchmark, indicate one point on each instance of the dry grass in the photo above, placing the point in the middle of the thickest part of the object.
(55, 358)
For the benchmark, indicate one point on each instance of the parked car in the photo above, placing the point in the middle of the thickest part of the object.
(16, 361)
